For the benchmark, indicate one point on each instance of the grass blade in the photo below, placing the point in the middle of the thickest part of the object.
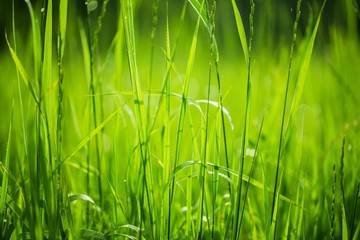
(281, 137)
(22, 71)
(5, 177)
(344, 228)
(241, 31)
(244, 143)
(91, 135)
(140, 113)
(301, 77)
(37, 48)
(63, 12)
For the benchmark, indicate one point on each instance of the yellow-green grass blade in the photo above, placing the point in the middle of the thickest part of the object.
(166, 205)
(90, 136)
(344, 228)
(254, 232)
(183, 111)
(63, 12)
(252, 169)
(241, 31)
(170, 67)
(37, 48)
(244, 143)
(22, 71)
(47, 54)
(189, 193)
(282, 130)
(85, 51)
(140, 114)
(301, 77)
(183, 107)
(119, 46)
(48, 123)
(208, 24)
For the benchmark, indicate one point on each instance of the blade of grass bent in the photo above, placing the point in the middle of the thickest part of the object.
(90, 136)
(24, 75)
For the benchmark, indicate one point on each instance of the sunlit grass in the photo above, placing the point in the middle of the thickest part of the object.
(179, 122)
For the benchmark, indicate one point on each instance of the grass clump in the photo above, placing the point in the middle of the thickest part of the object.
(175, 120)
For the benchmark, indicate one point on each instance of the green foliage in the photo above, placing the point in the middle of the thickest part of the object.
(172, 119)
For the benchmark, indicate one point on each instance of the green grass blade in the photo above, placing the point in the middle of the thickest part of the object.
(47, 57)
(82, 197)
(5, 177)
(281, 137)
(357, 195)
(63, 12)
(344, 228)
(244, 143)
(206, 19)
(185, 92)
(140, 113)
(90, 136)
(241, 31)
(85, 50)
(92, 234)
(22, 71)
(251, 170)
(37, 48)
(183, 108)
(189, 184)
(304, 66)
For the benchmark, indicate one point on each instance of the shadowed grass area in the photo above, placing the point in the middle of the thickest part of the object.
(193, 119)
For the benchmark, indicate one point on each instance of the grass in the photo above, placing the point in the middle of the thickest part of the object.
(177, 120)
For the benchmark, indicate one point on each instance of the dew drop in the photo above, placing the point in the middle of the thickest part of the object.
(42, 10)
(250, 152)
(92, 5)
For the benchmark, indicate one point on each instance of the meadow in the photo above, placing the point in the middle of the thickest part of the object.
(193, 119)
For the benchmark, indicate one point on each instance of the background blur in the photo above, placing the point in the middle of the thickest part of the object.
(275, 17)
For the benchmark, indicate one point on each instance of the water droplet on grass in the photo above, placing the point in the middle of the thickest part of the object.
(42, 10)
(250, 152)
(184, 209)
(226, 195)
(92, 5)
(302, 183)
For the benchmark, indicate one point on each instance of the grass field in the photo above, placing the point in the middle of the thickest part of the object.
(194, 119)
